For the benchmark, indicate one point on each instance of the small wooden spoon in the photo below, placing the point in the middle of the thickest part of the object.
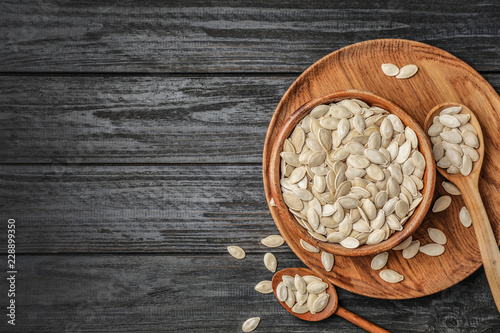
(331, 308)
(468, 186)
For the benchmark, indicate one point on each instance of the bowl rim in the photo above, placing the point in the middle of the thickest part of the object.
(284, 219)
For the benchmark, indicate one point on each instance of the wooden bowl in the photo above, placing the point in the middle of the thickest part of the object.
(429, 178)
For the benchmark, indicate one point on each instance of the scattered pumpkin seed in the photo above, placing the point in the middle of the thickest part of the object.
(273, 241)
(441, 204)
(264, 287)
(379, 261)
(270, 262)
(391, 276)
(432, 249)
(250, 324)
(236, 251)
(465, 218)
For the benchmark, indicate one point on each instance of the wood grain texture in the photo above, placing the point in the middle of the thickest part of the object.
(229, 36)
(441, 78)
(96, 119)
(188, 209)
(211, 293)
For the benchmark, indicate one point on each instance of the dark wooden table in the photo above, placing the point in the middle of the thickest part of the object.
(131, 138)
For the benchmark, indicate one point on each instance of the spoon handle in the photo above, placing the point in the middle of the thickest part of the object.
(361, 322)
(488, 245)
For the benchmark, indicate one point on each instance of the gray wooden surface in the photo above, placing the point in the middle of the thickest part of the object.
(131, 137)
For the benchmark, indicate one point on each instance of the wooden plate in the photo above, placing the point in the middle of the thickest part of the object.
(441, 78)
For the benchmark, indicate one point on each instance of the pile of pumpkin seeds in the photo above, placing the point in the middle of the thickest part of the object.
(454, 140)
(351, 173)
(303, 294)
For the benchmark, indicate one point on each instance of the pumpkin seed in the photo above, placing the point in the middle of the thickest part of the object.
(376, 237)
(451, 137)
(297, 174)
(444, 163)
(471, 152)
(316, 287)
(470, 139)
(454, 157)
(438, 151)
(402, 208)
(403, 245)
(300, 309)
(340, 112)
(437, 236)
(397, 124)
(432, 249)
(236, 251)
(379, 221)
(379, 261)
(327, 259)
(308, 247)
(466, 165)
(270, 262)
(281, 292)
(335, 237)
(291, 158)
(290, 300)
(301, 298)
(320, 303)
(250, 324)
(411, 250)
(329, 123)
(311, 298)
(407, 71)
(449, 121)
(350, 243)
(386, 129)
(390, 69)
(298, 138)
(292, 201)
(436, 128)
(273, 241)
(311, 278)
(391, 276)
(465, 218)
(348, 202)
(450, 188)
(441, 204)
(393, 222)
(300, 284)
(462, 118)
(451, 110)
(264, 287)
(404, 152)
(319, 111)
(289, 282)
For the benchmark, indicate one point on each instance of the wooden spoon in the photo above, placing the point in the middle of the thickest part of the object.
(468, 186)
(332, 306)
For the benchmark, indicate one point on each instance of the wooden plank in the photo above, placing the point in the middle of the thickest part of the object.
(229, 36)
(210, 293)
(136, 119)
(94, 119)
(178, 208)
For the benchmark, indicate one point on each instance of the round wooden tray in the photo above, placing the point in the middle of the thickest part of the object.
(441, 78)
